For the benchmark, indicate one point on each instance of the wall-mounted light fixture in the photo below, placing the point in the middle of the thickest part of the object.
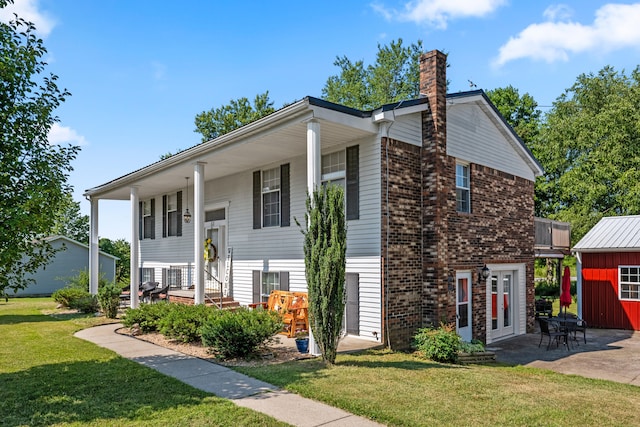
(187, 215)
(485, 272)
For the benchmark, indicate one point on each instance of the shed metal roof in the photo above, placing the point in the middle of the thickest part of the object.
(612, 234)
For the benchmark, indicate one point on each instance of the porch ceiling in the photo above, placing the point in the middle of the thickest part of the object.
(240, 151)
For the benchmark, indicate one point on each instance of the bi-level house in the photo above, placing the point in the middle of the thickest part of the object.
(439, 205)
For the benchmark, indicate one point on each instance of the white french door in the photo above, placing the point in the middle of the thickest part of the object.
(502, 303)
(463, 306)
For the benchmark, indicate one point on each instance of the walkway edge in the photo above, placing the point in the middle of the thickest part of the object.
(243, 390)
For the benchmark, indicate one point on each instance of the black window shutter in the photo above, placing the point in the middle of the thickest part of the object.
(256, 286)
(153, 218)
(179, 219)
(353, 182)
(257, 204)
(140, 221)
(285, 196)
(284, 281)
(164, 216)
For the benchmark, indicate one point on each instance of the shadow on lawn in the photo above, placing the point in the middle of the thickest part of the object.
(89, 391)
(367, 359)
(14, 319)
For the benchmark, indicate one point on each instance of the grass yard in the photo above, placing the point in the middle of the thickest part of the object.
(402, 390)
(48, 377)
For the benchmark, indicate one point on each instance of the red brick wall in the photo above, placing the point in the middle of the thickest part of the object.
(498, 230)
(401, 241)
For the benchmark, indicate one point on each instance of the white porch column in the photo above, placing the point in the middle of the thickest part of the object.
(313, 155)
(579, 282)
(94, 249)
(313, 181)
(198, 230)
(134, 265)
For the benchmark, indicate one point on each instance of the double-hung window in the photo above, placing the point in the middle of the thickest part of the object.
(147, 219)
(629, 280)
(342, 168)
(463, 202)
(172, 214)
(271, 197)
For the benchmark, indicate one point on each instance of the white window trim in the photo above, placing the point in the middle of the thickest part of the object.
(265, 296)
(620, 282)
(467, 189)
(264, 191)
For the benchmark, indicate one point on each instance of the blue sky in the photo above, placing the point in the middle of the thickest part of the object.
(139, 71)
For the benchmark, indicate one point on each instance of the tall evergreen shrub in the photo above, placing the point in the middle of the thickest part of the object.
(325, 247)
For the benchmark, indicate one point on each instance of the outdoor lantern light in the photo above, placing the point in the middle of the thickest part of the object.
(187, 214)
(485, 272)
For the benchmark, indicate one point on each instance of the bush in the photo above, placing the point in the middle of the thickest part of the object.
(547, 289)
(85, 304)
(67, 296)
(440, 345)
(146, 316)
(474, 346)
(239, 333)
(109, 299)
(183, 322)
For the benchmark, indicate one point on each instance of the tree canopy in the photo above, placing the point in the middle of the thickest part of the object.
(590, 149)
(122, 249)
(239, 112)
(395, 76)
(70, 222)
(33, 173)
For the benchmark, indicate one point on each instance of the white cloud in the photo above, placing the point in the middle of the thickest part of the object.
(159, 70)
(614, 27)
(437, 13)
(28, 10)
(63, 134)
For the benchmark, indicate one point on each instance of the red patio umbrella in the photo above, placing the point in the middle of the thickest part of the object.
(565, 294)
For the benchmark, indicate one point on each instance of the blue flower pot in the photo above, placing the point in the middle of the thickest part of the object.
(303, 345)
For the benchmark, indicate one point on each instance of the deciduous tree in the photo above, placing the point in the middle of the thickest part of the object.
(239, 112)
(395, 76)
(33, 173)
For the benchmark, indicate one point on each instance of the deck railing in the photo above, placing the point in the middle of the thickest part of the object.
(182, 277)
(552, 234)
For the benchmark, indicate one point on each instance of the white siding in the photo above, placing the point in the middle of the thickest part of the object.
(473, 135)
(407, 129)
(280, 248)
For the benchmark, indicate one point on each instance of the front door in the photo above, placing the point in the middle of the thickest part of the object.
(463, 306)
(214, 265)
(502, 307)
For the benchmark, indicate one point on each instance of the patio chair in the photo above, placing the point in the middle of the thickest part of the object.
(553, 334)
(160, 294)
(581, 326)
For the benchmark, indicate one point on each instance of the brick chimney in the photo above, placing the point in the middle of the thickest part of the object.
(433, 85)
(437, 181)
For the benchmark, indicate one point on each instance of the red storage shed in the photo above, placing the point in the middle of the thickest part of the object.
(609, 273)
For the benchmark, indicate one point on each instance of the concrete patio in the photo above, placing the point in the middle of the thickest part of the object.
(609, 354)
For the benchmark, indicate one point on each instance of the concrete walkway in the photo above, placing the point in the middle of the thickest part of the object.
(609, 354)
(223, 382)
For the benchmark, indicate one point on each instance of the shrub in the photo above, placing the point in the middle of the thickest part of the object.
(544, 288)
(109, 299)
(474, 346)
(440, 345)
(146, 316)
(85, 304)
(183, 322)
(239, 333)
(67, 296)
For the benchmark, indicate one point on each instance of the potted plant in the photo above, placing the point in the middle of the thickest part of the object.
(302, 341)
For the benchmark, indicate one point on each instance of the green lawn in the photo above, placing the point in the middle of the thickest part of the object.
(48, 377)
(402, 390)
